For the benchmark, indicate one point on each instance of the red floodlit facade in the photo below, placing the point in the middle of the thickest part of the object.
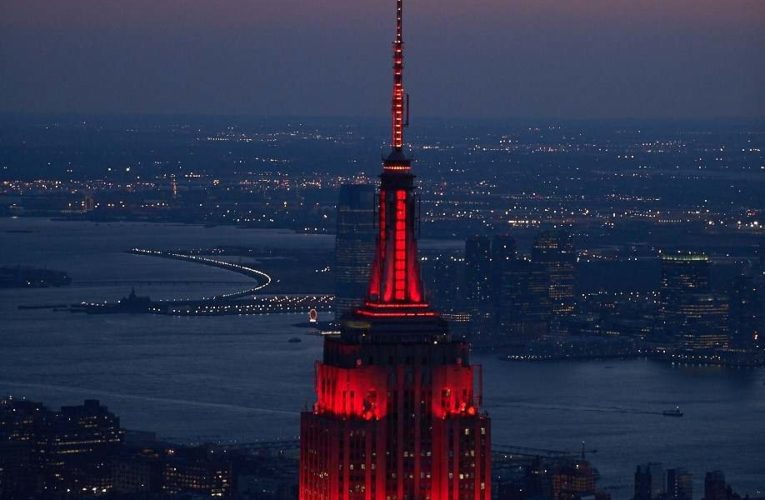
(397, 413)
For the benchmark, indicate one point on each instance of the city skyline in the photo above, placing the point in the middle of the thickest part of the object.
(205, 294)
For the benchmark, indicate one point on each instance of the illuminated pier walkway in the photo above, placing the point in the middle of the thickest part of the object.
(240, 302)
(260, 304)
(263, 278)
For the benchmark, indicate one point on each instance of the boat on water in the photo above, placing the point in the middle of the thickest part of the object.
(294, 340)
(673, 413)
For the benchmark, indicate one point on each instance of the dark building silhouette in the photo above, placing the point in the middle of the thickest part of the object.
(196, 470)
(354, 245)
(519, 476)
(684, 272)
(689, 311)
(138, 473)
(397, 412)
(555, 250)
(679, 484)
(154, 469)
(523, 302)
(478, 268)
(25, 430)
(444, 282)
(81, 451)
(703, 321)
(41, 450)
(478, 289)
(82, 438)
(503, 251)
(682, 275)
(715, 487)
(649, 481)
(746, 318)
(573, 481)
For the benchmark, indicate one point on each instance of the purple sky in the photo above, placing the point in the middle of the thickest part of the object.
(465, 58)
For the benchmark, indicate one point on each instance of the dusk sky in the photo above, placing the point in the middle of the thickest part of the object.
(479, 58)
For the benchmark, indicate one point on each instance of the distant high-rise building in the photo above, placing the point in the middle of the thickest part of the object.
(397, 412)
(746, 315)
(574, 480)
(25, 434)
(354, 245)
(555, 250)
(86, 428)
(503, 251)
(523, 303)
(715, 487)
(703, 321)
(478, 289)
(683, 306)
(679, 484)
(75, 445)
(649, 481)
(198, 471)
(443, 275)
(478, 270)
(683, 273)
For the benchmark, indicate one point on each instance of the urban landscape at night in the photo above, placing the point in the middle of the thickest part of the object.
(311, 298)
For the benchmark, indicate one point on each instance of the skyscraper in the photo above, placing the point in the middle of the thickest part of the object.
(746, 316)
(354, 245)
(704, 321)
(715, 487)
(477, 288)
(444, 283)
(649, 481)
(679, 484)
(478, 270)
(397, 413)
(681, 275)
(555, 250)
(503, 251)
(688, 310)
(523, 304)
(684, 272)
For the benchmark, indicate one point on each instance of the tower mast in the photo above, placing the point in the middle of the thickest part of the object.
(397, 106)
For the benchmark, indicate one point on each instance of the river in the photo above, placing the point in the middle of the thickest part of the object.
(237, 378)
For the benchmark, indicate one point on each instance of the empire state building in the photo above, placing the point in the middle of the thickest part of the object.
(397, 413)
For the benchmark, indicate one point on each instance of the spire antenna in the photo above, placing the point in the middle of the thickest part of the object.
(397, 108)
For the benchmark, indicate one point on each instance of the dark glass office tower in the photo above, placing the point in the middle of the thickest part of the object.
(523, 303)
(682, 273)
(688, 309)
(478, 270)
(555, 251)
(746, 318)
(354, 245)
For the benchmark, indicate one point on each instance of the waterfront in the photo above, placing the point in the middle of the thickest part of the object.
(202, 378)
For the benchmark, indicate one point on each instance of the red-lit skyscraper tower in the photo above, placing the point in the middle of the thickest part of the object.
(397, 412)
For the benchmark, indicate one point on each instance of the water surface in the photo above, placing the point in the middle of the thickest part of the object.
(237, 378)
